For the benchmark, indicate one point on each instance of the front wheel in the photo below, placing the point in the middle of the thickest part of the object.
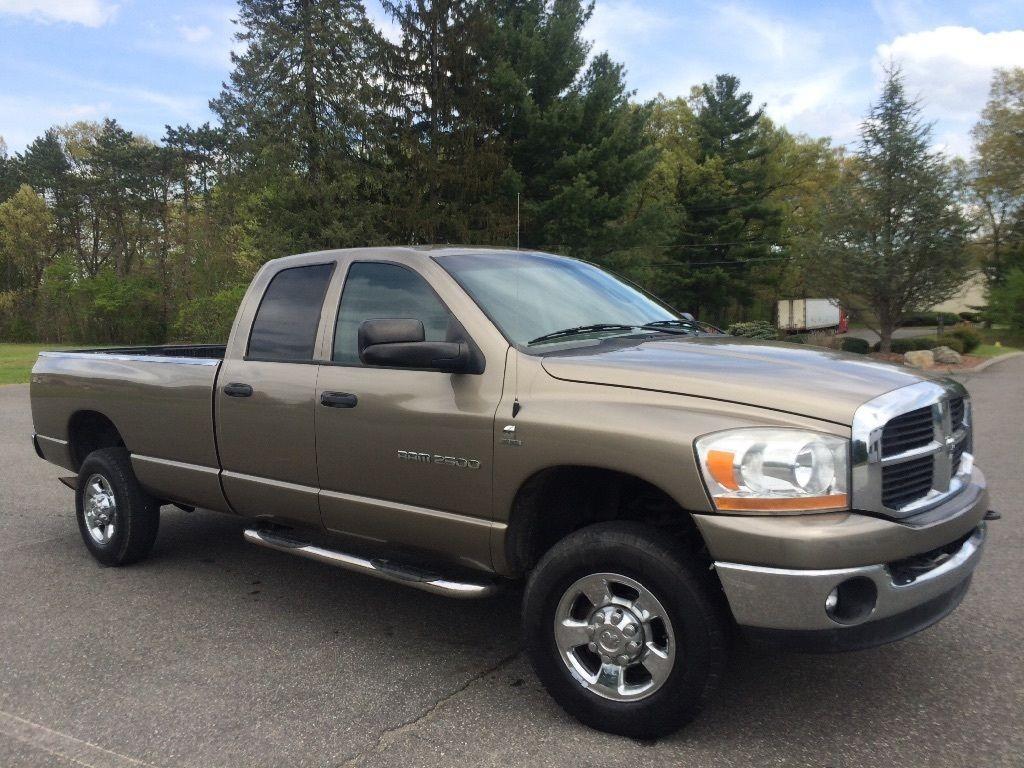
(624, 632)
(118, 520)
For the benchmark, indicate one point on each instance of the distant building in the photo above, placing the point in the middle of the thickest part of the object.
(970, 297)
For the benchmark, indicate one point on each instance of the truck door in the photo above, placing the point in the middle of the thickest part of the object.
(265, 399)
(405, 455)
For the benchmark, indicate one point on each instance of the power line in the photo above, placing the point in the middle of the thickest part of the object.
(702, 245)
(687, 264)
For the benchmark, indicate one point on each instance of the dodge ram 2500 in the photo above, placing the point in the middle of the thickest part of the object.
(454, 418)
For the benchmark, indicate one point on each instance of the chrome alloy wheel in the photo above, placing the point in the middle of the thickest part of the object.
(99, 508)
(615, 637)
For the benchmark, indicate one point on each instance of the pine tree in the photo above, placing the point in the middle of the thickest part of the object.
(449, 151)
(302, 109)
(894, 238)
(726, 216)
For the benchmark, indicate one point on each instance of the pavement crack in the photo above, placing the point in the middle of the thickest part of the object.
(63, 745)
(410, 724)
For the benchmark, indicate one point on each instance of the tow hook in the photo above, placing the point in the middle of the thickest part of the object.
(993, 515)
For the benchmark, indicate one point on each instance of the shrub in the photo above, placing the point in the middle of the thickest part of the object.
(969, 336)
(855, 345)
(823, 339)
(954, 343)
(900, 346)
(756, 329)
(930, 318)
(209, 318)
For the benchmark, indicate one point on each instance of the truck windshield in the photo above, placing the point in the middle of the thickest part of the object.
(534, 297)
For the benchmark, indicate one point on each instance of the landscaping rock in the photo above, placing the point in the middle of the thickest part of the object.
(946, 356)
(919, 358)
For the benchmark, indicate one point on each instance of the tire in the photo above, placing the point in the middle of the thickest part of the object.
(692, 647)
(109, 491)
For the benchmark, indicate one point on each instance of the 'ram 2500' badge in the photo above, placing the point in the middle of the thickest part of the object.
(437, 458)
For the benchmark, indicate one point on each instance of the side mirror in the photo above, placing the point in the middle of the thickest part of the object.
(400, 344)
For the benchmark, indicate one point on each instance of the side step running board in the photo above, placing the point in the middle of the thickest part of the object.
(382, 569)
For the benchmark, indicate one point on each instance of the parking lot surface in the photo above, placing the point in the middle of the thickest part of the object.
(217, 653)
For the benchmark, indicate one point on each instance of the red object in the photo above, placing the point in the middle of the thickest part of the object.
(844, 322)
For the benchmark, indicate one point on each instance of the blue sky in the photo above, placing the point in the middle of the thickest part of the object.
(815, 65)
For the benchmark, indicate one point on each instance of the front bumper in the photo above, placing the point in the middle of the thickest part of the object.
(887, 601)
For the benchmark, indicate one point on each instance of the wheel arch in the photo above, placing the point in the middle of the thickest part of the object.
(558, 500)
(89, 431)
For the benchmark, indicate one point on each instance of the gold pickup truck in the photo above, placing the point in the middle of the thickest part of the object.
(452, 419)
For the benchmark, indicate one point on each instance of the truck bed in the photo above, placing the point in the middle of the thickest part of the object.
(159, 399)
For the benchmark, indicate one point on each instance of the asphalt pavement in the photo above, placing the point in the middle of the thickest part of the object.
(217, 653)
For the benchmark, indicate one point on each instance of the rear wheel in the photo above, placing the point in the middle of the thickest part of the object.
(623, 631)
(118, 520)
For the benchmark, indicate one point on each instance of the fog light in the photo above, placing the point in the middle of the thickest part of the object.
(852, 601)
(832, 601)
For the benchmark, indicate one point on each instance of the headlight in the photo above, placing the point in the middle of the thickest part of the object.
(774, 470)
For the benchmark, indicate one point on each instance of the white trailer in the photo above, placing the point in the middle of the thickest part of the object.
(799, 315)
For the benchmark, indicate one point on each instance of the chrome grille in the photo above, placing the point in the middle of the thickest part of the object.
(909, 431)
(908, 481)
(956, 412)
(911, 448)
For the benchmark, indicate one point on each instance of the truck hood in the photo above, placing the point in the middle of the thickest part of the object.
(808, 381)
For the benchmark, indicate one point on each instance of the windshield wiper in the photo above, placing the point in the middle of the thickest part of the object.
(661, 325)
(683, 326)
(674, 327)
(579, 329)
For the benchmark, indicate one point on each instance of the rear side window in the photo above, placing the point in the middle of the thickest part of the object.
(376, 291)
(286, 322)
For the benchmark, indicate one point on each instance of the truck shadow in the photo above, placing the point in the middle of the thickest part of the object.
(770, 697)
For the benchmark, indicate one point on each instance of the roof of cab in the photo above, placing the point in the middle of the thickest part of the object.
(427, 251)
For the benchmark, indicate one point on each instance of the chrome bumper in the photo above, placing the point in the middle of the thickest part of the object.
(795, 600)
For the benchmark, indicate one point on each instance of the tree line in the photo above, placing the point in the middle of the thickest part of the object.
(489, 122)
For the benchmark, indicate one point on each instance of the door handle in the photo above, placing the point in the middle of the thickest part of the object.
(338, 400)
(237, 390)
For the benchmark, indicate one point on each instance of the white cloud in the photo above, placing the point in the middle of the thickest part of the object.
(770, 38)
(950, 69)
(204, 36)
(19, 133)
(900, 16)
(822, 102)
(90, 13)
(195, 35)
(618, 26)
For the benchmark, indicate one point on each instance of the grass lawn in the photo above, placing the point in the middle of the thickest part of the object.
(16, 361)
(991, 350)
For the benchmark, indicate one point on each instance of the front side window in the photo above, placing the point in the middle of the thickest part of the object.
(378, 291)
(289, 314)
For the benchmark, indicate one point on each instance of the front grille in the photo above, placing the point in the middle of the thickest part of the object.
(956, 412)
(908, 481)
(958, 452)
(914, 429)
(911, 448)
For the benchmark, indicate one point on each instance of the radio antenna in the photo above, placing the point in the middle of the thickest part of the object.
(517, 220)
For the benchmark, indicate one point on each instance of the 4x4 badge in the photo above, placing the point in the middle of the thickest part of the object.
(509, 437)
